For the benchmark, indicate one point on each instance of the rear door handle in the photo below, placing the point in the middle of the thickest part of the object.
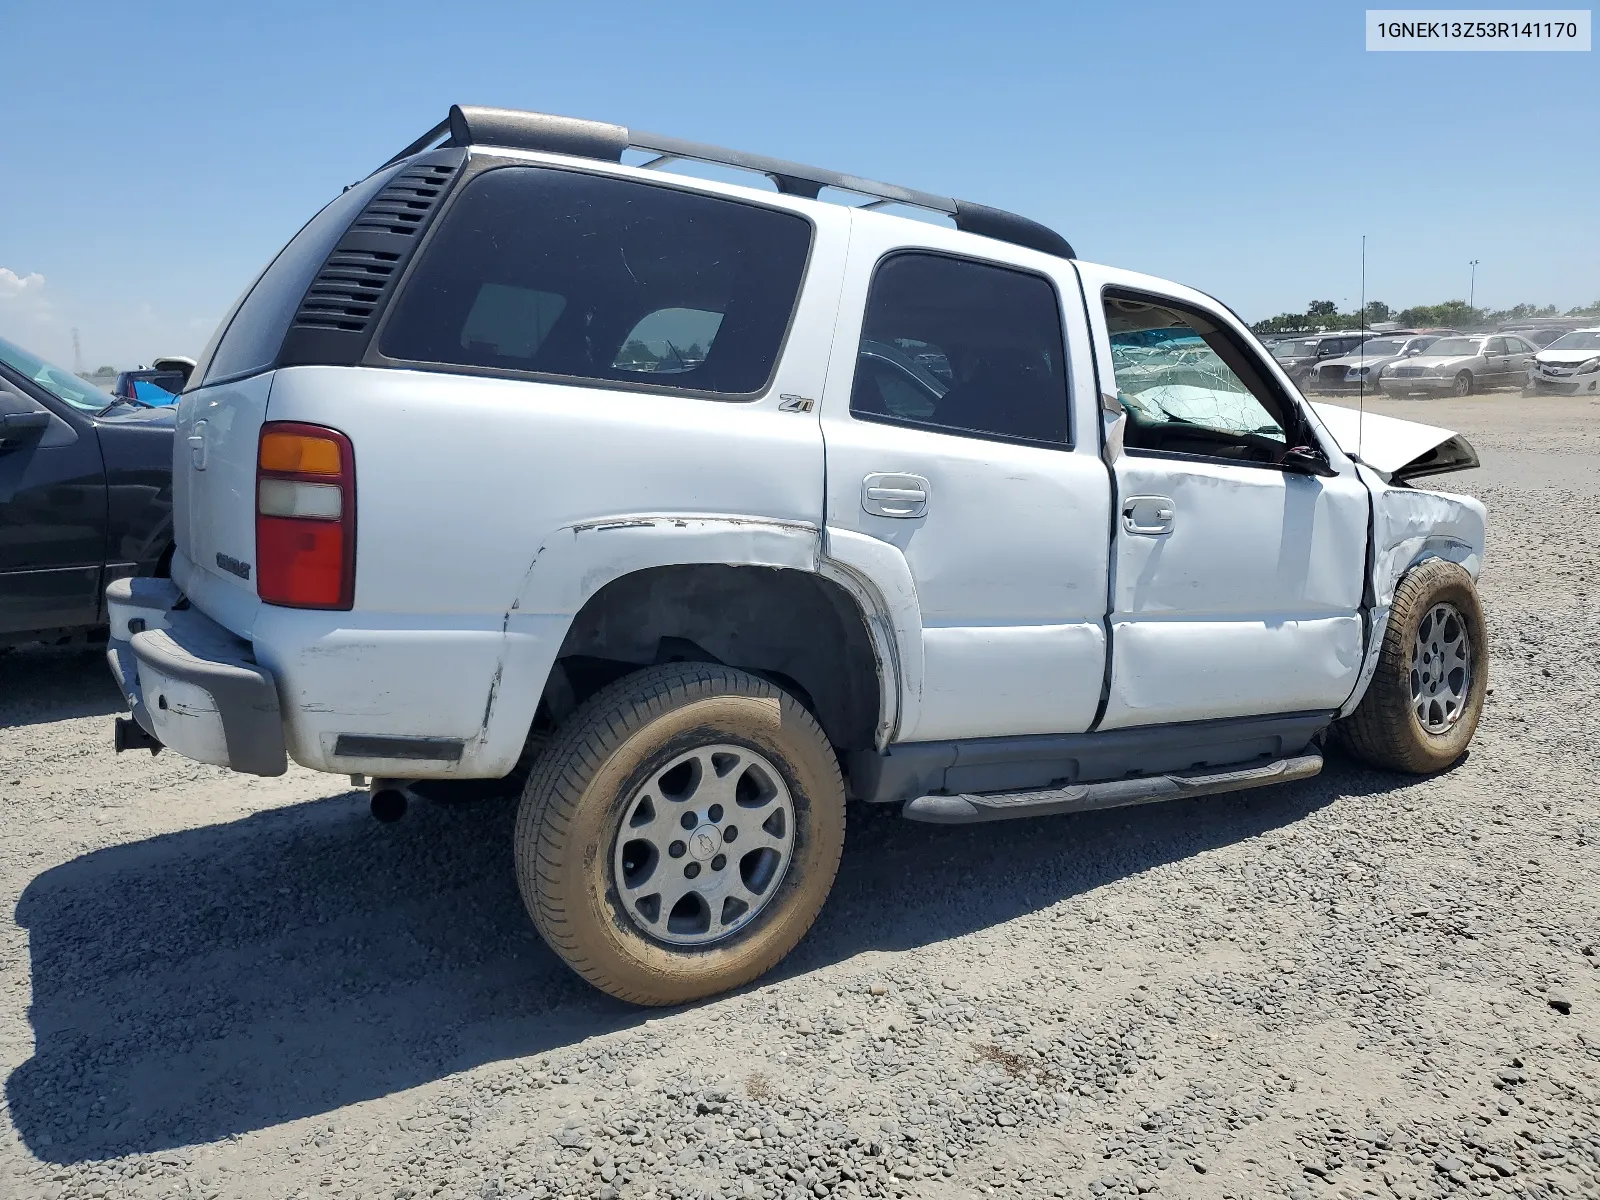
(889, 495)
(1148, 516)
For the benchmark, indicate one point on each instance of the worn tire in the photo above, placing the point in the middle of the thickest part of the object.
(1384, 730)
(573, 807)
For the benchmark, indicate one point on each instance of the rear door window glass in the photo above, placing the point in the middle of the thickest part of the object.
(962, 347)
(255, 334)
(593, 278)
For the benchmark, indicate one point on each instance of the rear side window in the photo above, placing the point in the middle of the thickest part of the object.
(585, 277)
(962, 347)
(251, 341)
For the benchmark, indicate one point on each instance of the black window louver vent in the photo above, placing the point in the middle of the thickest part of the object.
(340, 307)
(346, 290)
(404, 205)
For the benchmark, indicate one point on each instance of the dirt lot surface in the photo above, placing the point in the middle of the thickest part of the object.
(1356, 985)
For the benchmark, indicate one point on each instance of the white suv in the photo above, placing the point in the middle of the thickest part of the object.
(701, 507)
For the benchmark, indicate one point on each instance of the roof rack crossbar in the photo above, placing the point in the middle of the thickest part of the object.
(422, 143)
(469, 126)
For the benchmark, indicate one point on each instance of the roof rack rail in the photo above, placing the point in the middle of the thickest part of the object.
(473, 126)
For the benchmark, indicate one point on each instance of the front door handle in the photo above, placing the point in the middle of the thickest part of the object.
(889, 495)
(1148, 516)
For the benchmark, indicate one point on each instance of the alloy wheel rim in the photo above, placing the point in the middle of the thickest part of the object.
(704, 845)
(1441, 669)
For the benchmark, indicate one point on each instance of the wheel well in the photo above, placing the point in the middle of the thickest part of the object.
(799, 630)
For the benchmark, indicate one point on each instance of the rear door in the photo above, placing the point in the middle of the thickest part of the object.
(1497, 362)
(1237, 584)
(962, 483)
(52, 514)
(1522, 353)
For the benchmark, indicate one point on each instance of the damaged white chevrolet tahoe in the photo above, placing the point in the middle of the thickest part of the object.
(697, 508)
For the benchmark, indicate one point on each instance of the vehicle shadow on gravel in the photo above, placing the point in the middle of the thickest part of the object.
(230, 978)
(42, 684)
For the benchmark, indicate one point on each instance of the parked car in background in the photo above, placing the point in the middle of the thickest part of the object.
(153, 387)
(1542, 336)
(1461, 366)
(85, 497)
(1300, 356)
(1361, 367)
(181, 364)
(1568, 366)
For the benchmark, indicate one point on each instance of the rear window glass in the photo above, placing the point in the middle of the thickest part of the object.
(587, 277)
(255, 334)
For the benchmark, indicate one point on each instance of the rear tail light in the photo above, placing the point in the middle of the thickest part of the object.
(305, 516)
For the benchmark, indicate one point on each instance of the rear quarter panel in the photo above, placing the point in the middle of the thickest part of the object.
(490, 509)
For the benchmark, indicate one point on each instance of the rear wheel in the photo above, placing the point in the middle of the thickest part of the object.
(1463, 384)
(1426, 696)
(680, 833)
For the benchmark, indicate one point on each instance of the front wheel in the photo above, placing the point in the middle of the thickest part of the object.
(1463, 384)
(1426, 696)
(681, 832)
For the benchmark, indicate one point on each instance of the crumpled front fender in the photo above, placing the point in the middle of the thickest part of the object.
(1409, 526)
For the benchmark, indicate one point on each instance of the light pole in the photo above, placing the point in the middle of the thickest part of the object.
(1472, 287)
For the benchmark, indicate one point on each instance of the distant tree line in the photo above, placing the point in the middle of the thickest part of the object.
(1453, 314)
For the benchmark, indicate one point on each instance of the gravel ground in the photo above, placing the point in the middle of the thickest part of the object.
(1359, 985)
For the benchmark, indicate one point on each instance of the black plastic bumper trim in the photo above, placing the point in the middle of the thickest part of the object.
(429, 749)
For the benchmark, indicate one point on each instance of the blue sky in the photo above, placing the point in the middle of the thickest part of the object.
(158, 154)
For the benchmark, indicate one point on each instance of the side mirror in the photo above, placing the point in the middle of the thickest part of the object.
(19, 427)
(1307, 460)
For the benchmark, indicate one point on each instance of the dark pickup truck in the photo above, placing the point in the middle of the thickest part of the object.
(85, 497)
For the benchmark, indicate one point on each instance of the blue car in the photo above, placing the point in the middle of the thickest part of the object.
(149, 386)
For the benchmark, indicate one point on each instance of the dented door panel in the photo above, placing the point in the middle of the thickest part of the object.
(1187, 669)
(1245, 541)
(1237, 585)
(1248, 606)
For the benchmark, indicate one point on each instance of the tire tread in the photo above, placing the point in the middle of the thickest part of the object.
(578, 750)
(1382, 730)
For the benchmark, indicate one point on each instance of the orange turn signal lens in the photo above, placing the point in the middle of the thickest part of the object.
(299, 454)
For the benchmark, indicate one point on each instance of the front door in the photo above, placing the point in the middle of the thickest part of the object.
(962, 486)
(52, 515)
(1237, 582)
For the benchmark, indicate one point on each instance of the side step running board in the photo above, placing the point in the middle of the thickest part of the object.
(1115, 793)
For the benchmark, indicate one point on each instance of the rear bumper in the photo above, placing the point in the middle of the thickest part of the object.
(190, 683)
